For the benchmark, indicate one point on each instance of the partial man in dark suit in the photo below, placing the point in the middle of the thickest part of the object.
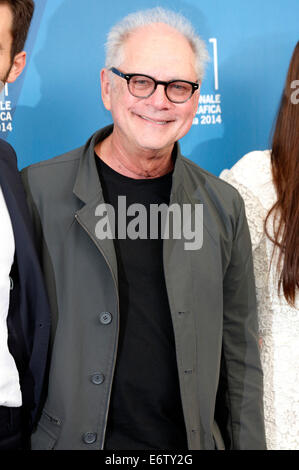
(24, 311)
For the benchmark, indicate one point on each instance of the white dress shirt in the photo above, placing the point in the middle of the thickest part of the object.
(10, 392)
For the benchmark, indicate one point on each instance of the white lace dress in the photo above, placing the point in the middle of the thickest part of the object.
(278, 321)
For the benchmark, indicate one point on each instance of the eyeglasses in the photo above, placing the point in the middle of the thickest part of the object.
(143, 86)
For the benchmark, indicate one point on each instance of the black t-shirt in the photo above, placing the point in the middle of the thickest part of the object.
(145, 409)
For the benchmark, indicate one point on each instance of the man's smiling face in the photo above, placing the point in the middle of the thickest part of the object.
(152, 123)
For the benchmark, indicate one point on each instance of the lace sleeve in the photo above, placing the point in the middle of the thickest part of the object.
(255, 213)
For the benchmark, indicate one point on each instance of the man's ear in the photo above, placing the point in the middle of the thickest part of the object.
(17, 67)
(106, 88)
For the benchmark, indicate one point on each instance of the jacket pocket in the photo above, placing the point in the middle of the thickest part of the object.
(218, 440)
(47, 432)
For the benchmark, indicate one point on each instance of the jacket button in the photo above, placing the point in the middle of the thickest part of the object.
(11, 283)
(105, 318)
(89, 437)
(97, 379)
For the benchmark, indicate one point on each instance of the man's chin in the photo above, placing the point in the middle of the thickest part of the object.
(154, 137)
(154, 146)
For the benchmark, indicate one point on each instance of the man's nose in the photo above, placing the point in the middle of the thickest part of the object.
(159, 98)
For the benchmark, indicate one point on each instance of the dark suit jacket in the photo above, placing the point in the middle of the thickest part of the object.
(29, 314)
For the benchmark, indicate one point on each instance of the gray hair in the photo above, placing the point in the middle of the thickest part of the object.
(120, 32)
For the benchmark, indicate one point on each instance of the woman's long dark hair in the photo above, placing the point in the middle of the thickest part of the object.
(285, 171)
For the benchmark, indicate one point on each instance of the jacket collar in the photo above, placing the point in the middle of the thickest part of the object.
(87, 185)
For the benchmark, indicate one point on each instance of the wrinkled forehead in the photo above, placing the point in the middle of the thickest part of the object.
(159, 47)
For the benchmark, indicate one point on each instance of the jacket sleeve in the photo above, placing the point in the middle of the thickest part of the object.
(33, 212)
(240, 392)
(43, 252)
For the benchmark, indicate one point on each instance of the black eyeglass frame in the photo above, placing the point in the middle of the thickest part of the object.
(128, 76)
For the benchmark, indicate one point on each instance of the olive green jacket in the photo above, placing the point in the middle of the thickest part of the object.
(211, 296)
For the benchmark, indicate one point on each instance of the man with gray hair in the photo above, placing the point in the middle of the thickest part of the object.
(154, 340)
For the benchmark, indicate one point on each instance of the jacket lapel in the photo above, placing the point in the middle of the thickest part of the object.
(88, 189)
